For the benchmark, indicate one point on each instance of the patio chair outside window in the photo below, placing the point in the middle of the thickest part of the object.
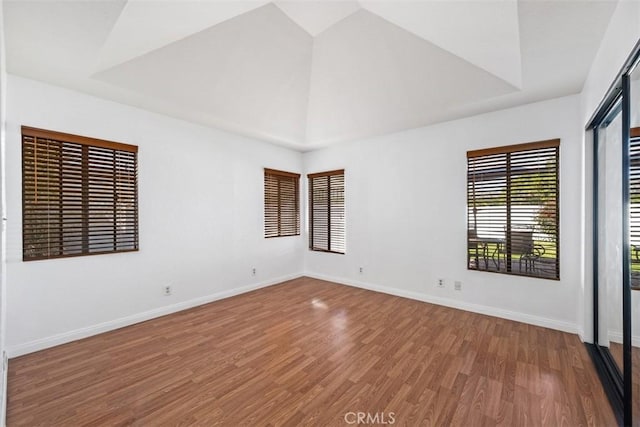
(524, 249)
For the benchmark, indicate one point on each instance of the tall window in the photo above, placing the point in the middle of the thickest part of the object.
(326, 212)
(513, 211)
(79, 195)
(634, 206)
(281, 203)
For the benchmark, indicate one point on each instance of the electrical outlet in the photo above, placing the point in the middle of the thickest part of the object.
(457, 285)
(441, 283)
(167, 290)
(253, 271)
(361, 270)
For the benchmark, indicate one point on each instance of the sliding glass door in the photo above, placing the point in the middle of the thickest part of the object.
(634, 134)
(609, 204)
(615, 129)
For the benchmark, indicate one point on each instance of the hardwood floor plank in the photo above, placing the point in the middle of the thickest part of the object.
(307, 352)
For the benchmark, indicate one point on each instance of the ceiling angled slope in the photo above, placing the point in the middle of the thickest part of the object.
(485, 33)
(145, 25)
(51, 40)
(316, 16)
(371, 76)
(251, 72)
(559, 41)
(306, 73)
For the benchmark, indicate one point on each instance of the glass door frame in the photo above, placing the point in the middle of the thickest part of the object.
(617, 385)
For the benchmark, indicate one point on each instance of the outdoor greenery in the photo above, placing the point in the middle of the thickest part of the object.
(528, 188)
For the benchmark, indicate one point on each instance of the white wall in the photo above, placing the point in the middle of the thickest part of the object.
(200, 215)
(406, 214)
(620, 38)
(3, 286)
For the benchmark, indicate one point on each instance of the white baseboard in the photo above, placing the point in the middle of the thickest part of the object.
(583, 337)
(43, 343)
(65, 337)
(448, 302)
(616, 336)
(5, 379)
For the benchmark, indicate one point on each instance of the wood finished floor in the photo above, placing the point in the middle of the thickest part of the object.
(306, 352)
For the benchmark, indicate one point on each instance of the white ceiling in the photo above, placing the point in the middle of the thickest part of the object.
(317, 16)
(308, 73)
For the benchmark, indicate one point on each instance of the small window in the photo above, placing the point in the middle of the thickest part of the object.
(281, 203)
(634, 206)
(326, 212)
(513, 215)
(79, 195)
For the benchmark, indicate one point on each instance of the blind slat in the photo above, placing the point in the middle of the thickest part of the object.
(80, 195)
(634, 208)
(327, 212)
(513, 209)
(281, 203)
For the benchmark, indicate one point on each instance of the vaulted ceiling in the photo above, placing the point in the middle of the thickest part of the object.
(309, 73)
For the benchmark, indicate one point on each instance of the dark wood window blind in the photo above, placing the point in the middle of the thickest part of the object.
(281, 203)
(326, 212)
(79, 195)
(513, 214)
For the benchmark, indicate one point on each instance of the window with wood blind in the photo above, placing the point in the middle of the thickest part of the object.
(326, 212)
(634, 206)
(79, 195)
(513, 215)
(281, 203)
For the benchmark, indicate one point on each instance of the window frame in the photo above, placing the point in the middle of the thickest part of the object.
(328, 175)
(508, 204)
(282, 176)
(83, 144)
(634, 214)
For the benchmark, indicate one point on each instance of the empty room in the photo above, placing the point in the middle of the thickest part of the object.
(320, 213)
